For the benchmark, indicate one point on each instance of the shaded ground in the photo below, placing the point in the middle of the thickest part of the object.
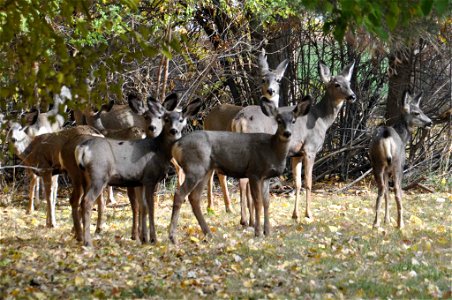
(338, 255)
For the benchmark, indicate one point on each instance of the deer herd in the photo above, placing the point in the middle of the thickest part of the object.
(134, 145)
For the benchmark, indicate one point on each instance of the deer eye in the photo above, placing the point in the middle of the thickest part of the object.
(294, 120)
(416, 113)
(181, 120)
(278, 80)
(159, 117)
(13, 140)
(337, 85)
(263, 80)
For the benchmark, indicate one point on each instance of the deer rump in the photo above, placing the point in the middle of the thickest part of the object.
(387, 145)
(123, 161)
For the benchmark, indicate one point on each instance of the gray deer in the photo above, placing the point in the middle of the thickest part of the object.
(132, 163)
(258, 156)
(308, 133)
(221, 116)
(387, 153)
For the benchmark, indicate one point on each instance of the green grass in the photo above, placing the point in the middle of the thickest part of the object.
(337, 255)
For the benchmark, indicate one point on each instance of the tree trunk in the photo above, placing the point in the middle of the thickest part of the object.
(400, 70)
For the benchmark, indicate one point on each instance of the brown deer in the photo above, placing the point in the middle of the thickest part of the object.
(387, 153)
(43, 154)
(220, 117)
(22, 136)
(257, 156)
(132, 163)
(308, 134)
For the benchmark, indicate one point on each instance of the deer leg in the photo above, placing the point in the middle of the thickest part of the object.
(100, 213)
(223, 179)
(191, 180)
(54, 189)
(134, 205)
(194, 198)
(308, 165)
(266, 200)
(32, 190)
(94, 190)
(74, 201)
(386, 195)
(379, 178)
(111, 196)
(143, 212)
(149, 195)
(179, 172)
(256, 192)
(210, 191)
(48, 196)
(243, 202)
(249, 201)
(296, 173)
(398, 197)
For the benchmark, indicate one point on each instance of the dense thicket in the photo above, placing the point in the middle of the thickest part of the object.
(104, 50)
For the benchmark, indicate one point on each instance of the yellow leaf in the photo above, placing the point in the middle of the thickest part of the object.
(248, 283)
(441, 229)
(415, 220)
(79, 280)
(194, 239)
(236, 268)
(333, 228)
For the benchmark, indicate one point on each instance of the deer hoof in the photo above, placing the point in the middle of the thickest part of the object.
(172, 240)
(294, 216)
(243, 223)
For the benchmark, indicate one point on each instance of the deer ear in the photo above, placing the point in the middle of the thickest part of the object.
(303, 107)
(155, 107)
(135, 104)
(268, 108)
(192, 108)
(417, 100)
(348, 71)
(263, 64)
(324, 71)
(406, 101)
(281, 69)
(171, 102)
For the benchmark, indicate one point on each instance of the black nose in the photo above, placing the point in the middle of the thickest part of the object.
(173, 131)
(352, 97)
(152, 128)
(429, 124)
(287, 134)
(270, 92)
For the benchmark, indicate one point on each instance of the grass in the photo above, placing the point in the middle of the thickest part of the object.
(337, 255)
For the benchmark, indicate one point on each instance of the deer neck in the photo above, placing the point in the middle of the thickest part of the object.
(403, 130)
(164, 143)
(280, 147)
(274, 99)
(327, 110)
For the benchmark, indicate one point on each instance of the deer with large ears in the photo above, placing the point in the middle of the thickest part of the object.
(133, 163)
(308, 133)
(387, 153)
(22, 136)
(220, 117)
(257, 156)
